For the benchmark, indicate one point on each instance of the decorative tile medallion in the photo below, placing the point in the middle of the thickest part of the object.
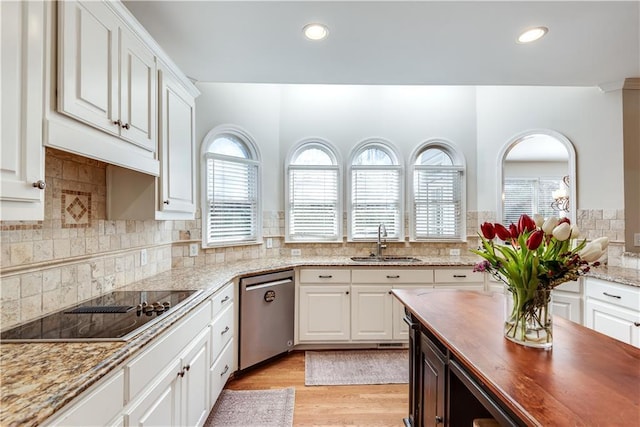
(76, 209)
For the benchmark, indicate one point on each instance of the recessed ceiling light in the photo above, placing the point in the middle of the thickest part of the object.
(315, 31)
(532, 34)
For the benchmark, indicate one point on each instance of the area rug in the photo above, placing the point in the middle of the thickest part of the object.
(253, 408)
(356, 367)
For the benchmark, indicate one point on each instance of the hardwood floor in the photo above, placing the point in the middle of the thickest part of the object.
(357, 405)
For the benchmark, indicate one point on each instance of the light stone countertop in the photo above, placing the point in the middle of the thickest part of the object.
(38, 379)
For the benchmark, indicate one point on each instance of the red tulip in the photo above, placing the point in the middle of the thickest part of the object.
(488, 231)
(526, 223)
(534, 240)
(565, 219)
(502, 232)
(513, 230)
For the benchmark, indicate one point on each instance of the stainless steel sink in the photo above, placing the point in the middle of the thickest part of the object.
(385, 259)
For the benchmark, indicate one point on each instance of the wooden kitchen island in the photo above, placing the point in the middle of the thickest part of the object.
(462, 368)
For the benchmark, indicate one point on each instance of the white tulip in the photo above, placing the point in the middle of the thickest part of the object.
(591, 253)
(575, 232)
(602, 241)
(549, 224)
(562, 231)
(539, 220)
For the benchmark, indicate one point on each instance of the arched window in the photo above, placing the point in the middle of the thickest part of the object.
(438, 193)
(313, 194)
(231, 190)
(375, 192)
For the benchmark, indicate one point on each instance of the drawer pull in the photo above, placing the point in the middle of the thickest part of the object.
(181, 373)
(225, 299)
(636, 323)
(226, 368)
(325, 276)
(460, 276)
(226, 329)
(612, 296)
(395, 276)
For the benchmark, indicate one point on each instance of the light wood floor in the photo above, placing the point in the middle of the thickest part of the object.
(358, 405)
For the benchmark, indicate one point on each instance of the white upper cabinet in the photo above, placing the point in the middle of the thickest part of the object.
(177, 145)
(21, 85)
(106, 76)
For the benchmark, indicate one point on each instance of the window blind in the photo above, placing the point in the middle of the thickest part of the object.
(530, 196)
(232, 200)
(313, 203)
(375, 199)
(437, 202)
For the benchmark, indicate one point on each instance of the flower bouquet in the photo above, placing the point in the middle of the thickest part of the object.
(537, 255)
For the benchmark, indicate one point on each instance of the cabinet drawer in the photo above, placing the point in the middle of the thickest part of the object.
(396, 275)
(614, 293)
(146, 366)
(222, 329)
(457, 275)
(221, 370)
(574, 286)
(325, 276)
(222, 299)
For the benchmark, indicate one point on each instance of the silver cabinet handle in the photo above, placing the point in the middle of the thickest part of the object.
(224, 331)
(395, 276)
(225, 299)
(40, 184)
(460, 276)
(327, 276)
(226, 368)
(612, 296)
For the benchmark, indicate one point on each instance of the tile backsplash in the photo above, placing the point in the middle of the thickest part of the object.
(76, 253)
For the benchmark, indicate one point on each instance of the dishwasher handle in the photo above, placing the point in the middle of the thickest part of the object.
(268, 284)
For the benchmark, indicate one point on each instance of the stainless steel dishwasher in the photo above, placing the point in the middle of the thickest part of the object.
(266, 316)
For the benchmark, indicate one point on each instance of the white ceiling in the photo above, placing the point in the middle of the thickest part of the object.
(415, 42)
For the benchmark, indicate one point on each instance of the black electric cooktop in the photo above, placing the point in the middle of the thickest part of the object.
(112, 317)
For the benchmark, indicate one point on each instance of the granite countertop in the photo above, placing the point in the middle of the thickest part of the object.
(625, 276)
(38, 379)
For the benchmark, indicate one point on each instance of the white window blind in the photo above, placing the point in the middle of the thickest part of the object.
(313, 203)
(375, 199)
(232, 200)
(530, 196)
(437, 202)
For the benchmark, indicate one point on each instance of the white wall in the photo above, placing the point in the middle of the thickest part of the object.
(477, 120)
(254, 108)
(589, 118)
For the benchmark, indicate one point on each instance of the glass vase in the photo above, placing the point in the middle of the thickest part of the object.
(528, 317)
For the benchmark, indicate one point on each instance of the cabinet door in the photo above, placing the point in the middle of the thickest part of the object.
(371, 312)
(617, 322)
(568, 306)
(433, 385)
(138, 89)
(21, 80)
(88, 66)
(160, 405)
(195, 385)
(324, 313)
(177, 156)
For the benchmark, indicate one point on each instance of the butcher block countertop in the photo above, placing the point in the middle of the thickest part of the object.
(38, 379)
(586, 379)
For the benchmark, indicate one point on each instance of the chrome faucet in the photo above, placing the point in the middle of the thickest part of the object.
(382, 233)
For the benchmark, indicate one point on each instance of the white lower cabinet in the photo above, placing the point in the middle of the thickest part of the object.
(613, 309)
(324, 312)
(567, 301)
(220, 371)
(371, 312)
(101, 405)
(337, 305)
